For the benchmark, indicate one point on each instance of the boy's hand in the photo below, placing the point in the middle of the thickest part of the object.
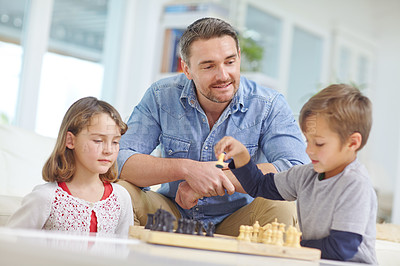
(233, 149)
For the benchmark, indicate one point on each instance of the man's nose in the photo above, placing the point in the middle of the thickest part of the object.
(222, 73)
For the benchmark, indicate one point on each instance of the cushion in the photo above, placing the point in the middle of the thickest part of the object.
(22, 156)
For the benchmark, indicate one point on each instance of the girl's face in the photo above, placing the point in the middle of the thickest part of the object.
(96, 146)
(328, 155)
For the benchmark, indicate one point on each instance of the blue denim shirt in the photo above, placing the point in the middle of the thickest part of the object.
(169, 114)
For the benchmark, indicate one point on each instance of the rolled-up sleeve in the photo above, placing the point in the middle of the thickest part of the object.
(281, 139)
(143, 130)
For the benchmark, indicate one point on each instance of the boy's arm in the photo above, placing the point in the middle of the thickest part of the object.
(254, 182)
(339, 245)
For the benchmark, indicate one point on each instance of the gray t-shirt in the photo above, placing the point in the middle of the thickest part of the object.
(345, 202)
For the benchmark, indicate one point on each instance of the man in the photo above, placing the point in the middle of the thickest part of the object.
(187, 115)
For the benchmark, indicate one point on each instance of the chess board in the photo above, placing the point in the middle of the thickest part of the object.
(222, 243)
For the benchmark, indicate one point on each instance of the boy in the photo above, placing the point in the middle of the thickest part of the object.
(336, 202)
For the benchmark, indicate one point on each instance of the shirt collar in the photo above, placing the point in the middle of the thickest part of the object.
(236, 104)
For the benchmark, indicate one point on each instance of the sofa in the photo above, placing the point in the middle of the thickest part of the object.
(23, 153)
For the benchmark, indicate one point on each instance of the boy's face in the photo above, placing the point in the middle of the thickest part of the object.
(328, 155)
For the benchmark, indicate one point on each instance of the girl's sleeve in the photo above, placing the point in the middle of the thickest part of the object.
(34, 210)
(126, 217)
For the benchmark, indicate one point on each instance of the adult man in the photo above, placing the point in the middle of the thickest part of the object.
(187, 115)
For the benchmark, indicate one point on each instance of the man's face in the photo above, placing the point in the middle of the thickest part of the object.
(214, 69)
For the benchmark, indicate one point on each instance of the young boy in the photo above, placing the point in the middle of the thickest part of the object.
(336, 203)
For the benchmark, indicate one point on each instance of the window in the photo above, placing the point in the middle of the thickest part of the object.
(266, 31)
(72, 67)
(11, 20)
(305, 68)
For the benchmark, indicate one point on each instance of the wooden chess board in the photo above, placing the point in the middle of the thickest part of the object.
(222, 243)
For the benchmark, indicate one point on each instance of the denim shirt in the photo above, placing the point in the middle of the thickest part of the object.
(170, 115)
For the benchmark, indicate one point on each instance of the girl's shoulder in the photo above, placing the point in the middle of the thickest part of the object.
(121, 191)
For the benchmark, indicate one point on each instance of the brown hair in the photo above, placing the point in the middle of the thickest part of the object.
(346, 109)
(204, 28)
(61, 166)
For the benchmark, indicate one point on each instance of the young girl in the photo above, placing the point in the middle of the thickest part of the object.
(80, 195)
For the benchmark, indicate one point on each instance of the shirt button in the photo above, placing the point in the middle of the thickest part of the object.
(206, 147)
(170, 152)
(197, 208)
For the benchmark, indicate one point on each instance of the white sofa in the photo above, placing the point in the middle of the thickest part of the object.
(22, 155)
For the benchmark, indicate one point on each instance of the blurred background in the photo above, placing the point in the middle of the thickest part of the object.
(53, 52)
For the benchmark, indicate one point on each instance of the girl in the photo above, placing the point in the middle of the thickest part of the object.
(80, 195)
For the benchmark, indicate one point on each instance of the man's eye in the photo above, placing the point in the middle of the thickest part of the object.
(97, 140)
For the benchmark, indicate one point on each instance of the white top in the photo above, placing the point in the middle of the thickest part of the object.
(49, 207)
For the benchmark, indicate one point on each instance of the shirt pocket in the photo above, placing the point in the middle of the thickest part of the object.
(252, 148)
(174, 147)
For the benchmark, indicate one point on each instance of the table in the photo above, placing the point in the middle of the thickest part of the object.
(34, 247)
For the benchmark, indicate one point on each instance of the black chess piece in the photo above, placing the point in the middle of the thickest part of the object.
(150, 221)
(179, 230)
(210, 229)
(192, 227)
(200, 228)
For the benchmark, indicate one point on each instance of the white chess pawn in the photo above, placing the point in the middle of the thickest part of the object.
(247, 235)
(242, 229)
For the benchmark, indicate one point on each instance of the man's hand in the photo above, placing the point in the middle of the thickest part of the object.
(207, 180)
(186, 197)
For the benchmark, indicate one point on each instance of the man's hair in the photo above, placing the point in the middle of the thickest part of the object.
(204, 29)
(61, 164)
(346, 109)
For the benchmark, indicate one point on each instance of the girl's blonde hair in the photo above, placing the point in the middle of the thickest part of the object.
(61, 166)
(346, 109)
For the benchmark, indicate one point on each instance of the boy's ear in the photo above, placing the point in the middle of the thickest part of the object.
(355, 141)
(70, 141)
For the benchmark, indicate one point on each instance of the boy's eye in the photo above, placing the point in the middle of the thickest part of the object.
(319, 144)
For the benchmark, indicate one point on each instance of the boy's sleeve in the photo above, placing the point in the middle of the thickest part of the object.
(339, 245)
(254, 182)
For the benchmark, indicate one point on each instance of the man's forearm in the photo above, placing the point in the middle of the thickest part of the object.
(146, 170)
(264, 167)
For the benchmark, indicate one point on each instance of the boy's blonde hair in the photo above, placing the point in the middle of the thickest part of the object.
(61, 166)
(346, 109)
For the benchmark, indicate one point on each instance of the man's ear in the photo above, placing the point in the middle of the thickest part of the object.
(70, 141)
(355, 141)
(185, 69)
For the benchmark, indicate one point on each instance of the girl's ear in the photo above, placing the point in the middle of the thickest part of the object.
(70, 141)
(355, 141)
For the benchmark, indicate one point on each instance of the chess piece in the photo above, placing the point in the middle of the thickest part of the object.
(200, 228)
(150, 221)
(256, 229)
(267, 236)
(220, 162)
(210, 229)
(290, 236)
(248, 232)
(179, 230)
(242, 229)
